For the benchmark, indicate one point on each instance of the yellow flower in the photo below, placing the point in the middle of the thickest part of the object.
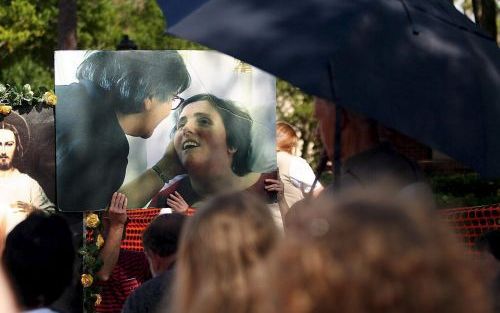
(50, 98)
(87, 280)
(92, 220)
(99, 241)
(98, 298)
(5, 109)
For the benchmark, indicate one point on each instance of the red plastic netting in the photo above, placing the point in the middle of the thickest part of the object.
(139, 219)
(469, 223)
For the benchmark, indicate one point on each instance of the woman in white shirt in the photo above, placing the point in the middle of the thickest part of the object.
(295, 173)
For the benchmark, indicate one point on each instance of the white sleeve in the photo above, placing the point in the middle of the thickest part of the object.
(38, 197)
(302, 175)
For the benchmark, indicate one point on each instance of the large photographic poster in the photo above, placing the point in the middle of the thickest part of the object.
(27, 165)
(200, 121)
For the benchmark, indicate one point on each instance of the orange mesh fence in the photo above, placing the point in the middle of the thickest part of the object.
(469, 223)
(138, 220)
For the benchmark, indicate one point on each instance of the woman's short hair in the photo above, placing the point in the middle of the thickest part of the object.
(238, 125)
(133, 76)
(221, 251)
(286, 137)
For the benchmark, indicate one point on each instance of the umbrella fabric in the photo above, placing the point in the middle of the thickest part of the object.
(420, 67)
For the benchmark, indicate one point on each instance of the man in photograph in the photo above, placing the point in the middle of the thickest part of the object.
(117, 94)
(19, 193)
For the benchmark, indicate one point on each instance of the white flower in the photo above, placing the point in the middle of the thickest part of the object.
(27, 88)
(3, 88)
(29, 95)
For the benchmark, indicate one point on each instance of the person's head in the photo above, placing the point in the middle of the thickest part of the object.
(222, 249)
(38, 259)
(213, 132)
(363, 255)
(358, 132)
(140, 84)
(14, 141)
(160, 241)
(286, 137)
(11, 146)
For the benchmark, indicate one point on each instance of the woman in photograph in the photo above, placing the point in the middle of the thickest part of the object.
(209, 154)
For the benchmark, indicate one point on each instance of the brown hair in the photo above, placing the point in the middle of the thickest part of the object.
(286, 137)
(220, 253)
(366, 257)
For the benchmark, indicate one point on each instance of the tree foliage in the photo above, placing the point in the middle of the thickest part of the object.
(485, 13)
(296, 108)
(27, 41)
(28, 34)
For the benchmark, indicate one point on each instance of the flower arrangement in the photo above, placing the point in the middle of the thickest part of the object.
(24, 99)
(91, 262)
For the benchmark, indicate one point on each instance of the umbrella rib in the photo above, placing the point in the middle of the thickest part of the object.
(410, 19)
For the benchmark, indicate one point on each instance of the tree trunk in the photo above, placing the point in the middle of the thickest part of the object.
(66, 39)
(485, 13)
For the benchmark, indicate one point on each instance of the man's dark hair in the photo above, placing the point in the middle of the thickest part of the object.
(133, 76)
(162, 235)
(238, 125)
(38, 259)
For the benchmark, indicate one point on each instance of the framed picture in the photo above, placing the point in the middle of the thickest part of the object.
(152, 123)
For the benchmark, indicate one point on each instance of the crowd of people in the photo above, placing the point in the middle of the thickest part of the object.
(352, 252)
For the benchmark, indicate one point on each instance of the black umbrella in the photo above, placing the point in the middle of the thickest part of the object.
(417, 66)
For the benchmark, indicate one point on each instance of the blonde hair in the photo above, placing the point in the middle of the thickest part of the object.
(220, 253)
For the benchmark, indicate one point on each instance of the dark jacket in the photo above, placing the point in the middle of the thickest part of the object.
(91, 148)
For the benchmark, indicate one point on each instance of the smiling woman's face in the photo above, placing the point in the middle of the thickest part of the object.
(200, 138)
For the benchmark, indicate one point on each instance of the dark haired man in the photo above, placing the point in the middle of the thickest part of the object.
(118, 94)
(160, 241)
(19, 193)
(38, 259)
